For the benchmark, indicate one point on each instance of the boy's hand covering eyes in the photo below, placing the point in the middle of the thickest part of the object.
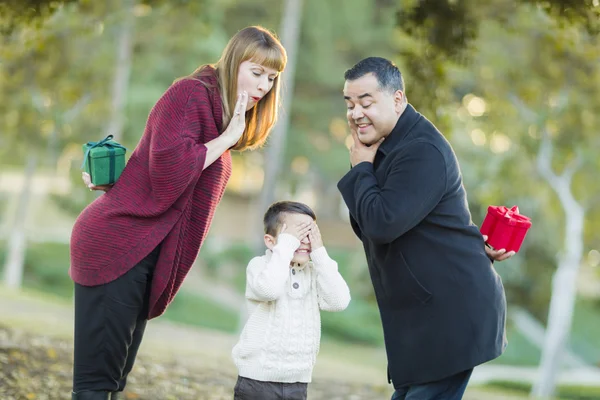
(314, 235)
(299, 231)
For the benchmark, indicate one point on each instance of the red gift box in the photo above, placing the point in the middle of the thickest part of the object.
(505, 227)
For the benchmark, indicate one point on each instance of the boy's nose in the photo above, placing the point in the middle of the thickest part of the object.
(305, 240)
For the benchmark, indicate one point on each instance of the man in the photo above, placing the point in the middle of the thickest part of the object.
(442, 305)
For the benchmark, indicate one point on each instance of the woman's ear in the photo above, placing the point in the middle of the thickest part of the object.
(270, 242)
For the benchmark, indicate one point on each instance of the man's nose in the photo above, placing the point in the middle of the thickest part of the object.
(357, 113)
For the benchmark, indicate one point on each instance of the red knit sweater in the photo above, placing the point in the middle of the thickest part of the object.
(162, 196)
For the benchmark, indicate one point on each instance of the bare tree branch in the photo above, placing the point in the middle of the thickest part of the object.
(67, 116)
(573, 167)
(562, 100)
(37, 99)
(527, 113)
(70, 115)
(544, 159)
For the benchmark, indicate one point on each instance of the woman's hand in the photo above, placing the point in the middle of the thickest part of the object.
(88, 182)
(232, 134)
(237, 125)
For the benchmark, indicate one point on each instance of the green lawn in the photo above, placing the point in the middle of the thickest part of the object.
(585, 334)
(520, 351)
(46, 270)
(191, 309)
(562, 392)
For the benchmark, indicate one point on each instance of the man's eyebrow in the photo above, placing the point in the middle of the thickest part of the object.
(362, 96)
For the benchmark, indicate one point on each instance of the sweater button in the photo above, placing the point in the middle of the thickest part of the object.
(295, 285)
(293, 271)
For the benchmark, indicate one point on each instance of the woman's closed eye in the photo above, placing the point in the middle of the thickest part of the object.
(258, 75)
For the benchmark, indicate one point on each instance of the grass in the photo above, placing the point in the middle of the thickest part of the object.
(46, 270)
(359, 323)
(584, 340)
(564, 392)
(191, 309)
(585, 334)
(359, 360)
(519, 352)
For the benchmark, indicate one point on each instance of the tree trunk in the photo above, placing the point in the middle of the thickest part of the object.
(564, 282)
(17, 242)
(562, 305)
(290, 34)
(122, 71)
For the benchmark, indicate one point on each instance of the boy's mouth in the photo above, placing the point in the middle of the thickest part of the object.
(302, 251)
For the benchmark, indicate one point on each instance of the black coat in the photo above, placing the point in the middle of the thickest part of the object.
(442, 304)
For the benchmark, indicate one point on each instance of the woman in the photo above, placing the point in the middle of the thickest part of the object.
(132, 247)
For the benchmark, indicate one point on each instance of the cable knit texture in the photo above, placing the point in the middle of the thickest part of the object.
(281, 338)
(162, 196)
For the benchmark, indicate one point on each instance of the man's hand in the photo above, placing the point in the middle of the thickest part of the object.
(360, 152)
(314, 235)
(497, 255)
(88, 182)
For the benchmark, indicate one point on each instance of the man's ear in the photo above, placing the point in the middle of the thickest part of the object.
(399, 100)
(270, 242)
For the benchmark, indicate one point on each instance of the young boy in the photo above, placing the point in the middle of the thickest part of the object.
(285, 289)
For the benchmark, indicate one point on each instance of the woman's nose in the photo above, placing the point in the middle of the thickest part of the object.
(263, 85)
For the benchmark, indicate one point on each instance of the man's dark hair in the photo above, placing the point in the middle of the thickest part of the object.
(387, 73)
(272, 218)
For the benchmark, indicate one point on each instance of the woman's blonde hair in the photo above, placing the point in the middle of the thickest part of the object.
(262, 47)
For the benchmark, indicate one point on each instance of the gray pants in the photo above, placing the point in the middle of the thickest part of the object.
(250, 389)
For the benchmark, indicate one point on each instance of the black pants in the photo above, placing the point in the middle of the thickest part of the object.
(250, 389)
(109, 324)
(451, 388)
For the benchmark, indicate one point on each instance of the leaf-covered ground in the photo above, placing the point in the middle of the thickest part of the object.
(37, 367)
(175, 362)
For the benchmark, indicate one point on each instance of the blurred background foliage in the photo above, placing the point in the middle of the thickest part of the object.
(497, 77)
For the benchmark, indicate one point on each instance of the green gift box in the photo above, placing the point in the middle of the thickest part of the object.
(103, 160)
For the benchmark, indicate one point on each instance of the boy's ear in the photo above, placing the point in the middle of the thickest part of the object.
(270, 242)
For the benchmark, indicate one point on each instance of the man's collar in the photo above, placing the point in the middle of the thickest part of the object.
(408, 118)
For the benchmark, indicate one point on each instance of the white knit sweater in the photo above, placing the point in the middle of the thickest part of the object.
(281, 338)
